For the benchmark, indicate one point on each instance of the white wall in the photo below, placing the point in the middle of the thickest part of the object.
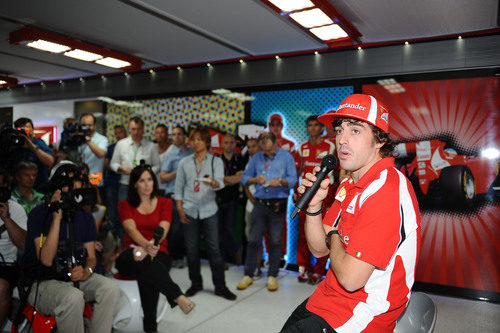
(46, 113)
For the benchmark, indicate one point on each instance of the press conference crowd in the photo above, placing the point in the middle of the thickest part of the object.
(78, 212)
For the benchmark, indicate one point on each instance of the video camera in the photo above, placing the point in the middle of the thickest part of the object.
(74, 135)
(5, 194)
(11, 138)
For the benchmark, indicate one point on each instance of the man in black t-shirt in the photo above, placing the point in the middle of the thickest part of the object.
(63, 284)
(227, 198)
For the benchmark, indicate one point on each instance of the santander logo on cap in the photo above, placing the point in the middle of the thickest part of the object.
(352, 106)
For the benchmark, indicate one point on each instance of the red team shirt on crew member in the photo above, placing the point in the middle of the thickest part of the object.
(312, 154)
(379, 222)
(146, 223)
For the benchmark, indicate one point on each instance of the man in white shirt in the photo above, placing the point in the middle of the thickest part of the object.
(130, 151)
(12, 236)
(93, 150)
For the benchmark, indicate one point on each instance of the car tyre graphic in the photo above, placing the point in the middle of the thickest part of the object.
(458, 186)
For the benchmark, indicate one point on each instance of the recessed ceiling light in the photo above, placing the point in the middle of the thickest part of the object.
(126, 74)
(459, 37)
(81, 79)
(359, 48)
(48, 46)
(103, 77)
(60, 81)
(179, 68)
(113, 62)
(406, 43)
(329, 32)
(316, 52)
(277, 57)
(208, 64)
(241, 61)
(311, 18)
(83, 55)
(291, 5)
(151, 71)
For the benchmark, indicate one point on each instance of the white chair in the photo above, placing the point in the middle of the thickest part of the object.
(129, 310)
(419, 316)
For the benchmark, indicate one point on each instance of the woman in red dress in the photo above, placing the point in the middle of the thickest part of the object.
(141, 259)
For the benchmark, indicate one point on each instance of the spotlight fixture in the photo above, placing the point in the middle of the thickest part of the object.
(406, 43)
(277, 57)
(76, 49)
(179, 68)
(126, 74)
(241, 61)
(7, 81)
(359, 48)
(151, 71)
(459, 37)
(81, 79)
(60, 81)
(316, 52)
(208, 64)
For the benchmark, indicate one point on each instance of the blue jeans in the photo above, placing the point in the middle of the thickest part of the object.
(262, 219)
(122, 192)
(112, 209)
(210, 229)
(227, 221)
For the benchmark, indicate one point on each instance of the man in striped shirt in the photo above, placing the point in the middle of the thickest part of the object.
(371, 232)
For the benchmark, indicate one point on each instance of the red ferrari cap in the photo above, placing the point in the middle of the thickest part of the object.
(275, 117)
(362, 107)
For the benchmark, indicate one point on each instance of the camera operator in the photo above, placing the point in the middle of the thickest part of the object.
(12, 236)
(93, 149)
(60, 258)
(35, 150)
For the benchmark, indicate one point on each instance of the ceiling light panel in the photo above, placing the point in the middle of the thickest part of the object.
(329, 32)
(83, 55)
(291, 5)
(112, 62)
(48, 46)
(311, 18)
(3, 82)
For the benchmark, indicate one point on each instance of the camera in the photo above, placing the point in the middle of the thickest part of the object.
(74, 135)
(5, 194)
(11, 138)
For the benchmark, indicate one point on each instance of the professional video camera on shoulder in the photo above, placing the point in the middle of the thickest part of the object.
(68, 177)
(11, 138)
(76, 133)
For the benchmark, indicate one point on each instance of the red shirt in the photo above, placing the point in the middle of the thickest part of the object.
(285, 144)
(379, 222)
(146, 223)
(312, 154)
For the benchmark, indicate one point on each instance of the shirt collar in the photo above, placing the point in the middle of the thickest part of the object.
(374, 171)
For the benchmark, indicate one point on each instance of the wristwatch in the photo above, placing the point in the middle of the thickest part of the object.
(90, 270)
(329, 235)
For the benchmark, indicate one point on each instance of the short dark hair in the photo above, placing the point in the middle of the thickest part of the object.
(25, 165)
(387, 150)
(263, 137)
(23, 121)
(181, 128)
(162, 126)
(137, 120)
(88, 114)
(120, 126)
(133, 197)
(313, 118)
(204, 134)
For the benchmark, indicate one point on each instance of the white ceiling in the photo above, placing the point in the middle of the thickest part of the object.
(177, 32)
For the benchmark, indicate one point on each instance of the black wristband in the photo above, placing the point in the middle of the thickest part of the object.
(315, 213)
(329, 235)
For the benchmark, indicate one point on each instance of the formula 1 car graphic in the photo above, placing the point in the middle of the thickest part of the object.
(439, 173)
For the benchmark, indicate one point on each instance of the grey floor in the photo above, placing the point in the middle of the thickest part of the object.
(258, 310)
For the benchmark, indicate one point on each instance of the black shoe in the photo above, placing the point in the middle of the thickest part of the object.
(193, 289)
(224, 292)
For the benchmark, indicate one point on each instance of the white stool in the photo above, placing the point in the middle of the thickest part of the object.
(129, 310)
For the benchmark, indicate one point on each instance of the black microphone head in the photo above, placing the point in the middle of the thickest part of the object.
(158, 233)
(329, 162)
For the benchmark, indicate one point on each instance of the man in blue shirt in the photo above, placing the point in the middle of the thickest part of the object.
(273, 171)
(169, 163)
(93, 151)
(35, 150)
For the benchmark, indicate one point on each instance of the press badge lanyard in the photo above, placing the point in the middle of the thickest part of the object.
(198, 172)
(268, 163)
(136, 150)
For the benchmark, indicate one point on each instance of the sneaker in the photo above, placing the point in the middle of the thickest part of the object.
(226, 293)
(314, 279)
(245, 282)
(272, 284)
(258, 274)
(303, 276)
(193, 289)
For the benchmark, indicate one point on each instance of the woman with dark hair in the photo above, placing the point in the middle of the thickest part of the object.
(141, 259)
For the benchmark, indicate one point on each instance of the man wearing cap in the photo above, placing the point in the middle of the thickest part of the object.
(59, 259)
(371, 232)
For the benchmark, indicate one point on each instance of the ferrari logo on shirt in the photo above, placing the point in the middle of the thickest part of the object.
(320, 154)
(305, 153)
(341, 194)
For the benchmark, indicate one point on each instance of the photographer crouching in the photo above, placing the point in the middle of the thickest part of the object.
(60, 257)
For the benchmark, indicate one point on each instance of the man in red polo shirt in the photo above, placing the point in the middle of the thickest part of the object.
(312, 152)
(371, 232)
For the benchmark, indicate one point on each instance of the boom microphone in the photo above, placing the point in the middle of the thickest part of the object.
(328, 163)
(157, 234)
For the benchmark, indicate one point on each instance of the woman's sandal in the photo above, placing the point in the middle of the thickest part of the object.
(188, 307)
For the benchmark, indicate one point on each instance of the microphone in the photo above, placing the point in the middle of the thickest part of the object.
(157, 234)
(328, 163)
